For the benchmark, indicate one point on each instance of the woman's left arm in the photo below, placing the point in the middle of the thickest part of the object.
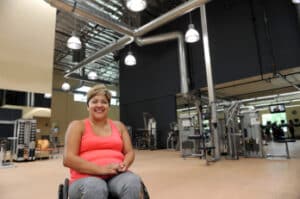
(127, 148)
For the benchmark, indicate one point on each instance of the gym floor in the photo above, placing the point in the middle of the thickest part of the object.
(168, 176)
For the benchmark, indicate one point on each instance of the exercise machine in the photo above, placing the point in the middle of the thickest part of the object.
(24, 146)
(252, 134)
(173, 137)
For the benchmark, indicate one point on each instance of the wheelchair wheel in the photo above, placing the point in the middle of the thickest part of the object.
(145, 191)
(66, 189)
(60, 191)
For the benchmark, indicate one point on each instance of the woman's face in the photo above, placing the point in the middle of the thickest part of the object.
(98, 107)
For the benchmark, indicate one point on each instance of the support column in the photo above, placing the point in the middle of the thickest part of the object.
(210, 83)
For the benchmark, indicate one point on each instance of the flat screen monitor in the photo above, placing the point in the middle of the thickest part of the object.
(277, 108)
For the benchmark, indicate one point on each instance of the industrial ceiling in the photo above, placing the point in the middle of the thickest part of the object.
(95, 36)
(84, 17)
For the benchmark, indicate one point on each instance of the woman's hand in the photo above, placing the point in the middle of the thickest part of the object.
(122, 167)
(110, 169)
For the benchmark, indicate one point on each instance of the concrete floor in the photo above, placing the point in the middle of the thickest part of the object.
(168, 176)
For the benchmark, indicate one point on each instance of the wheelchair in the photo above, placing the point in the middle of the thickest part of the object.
(63, 191)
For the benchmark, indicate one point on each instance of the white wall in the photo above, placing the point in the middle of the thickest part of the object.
(26, 45)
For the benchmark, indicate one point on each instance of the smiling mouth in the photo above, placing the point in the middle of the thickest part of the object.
(99, 110)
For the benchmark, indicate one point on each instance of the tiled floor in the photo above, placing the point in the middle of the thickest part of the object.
(168, 176)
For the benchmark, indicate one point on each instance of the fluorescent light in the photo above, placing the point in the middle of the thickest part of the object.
(296, 1)
(78, 97)
(83, 89)
(290, 93)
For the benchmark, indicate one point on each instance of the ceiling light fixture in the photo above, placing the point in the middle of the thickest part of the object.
(65, 86)
(296, 1)
(191, 35)
(130, 59)
(136, 5)
(74, 42)
(92, 75)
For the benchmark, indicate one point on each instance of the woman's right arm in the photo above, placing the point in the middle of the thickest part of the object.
(71, 158)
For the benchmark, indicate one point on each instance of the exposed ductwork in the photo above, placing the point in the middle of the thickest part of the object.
(89, 15)
(169, 16)
(163, 19)
(110, 48)
(181, 53)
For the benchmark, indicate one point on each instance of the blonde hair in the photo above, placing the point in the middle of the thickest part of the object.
(98, 89)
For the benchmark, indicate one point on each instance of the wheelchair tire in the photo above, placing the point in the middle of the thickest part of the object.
(145, 191)
(60, 191)
(66, 189)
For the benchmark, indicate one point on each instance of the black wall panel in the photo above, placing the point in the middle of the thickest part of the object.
(284, 33)
(156, 73)
(1, 97)
(152, 84)
(231, 39)
(16, 98)
(163, 109)
(6, 130)
(41, 101)
(247, 38)
(10, 114)
(243, 32)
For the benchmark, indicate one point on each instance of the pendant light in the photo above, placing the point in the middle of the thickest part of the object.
(136, 5)
(65, 86)
(130, 59)
(191, 35)
(92, 75)
(74, 42)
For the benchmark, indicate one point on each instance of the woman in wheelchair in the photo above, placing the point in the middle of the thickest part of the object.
(99, 152)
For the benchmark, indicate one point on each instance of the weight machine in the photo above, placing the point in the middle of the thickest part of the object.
(24, 145)
(232, 131)
(195, 141)
(252, 136)
(6, 143)
(173, 137)
(146, 137)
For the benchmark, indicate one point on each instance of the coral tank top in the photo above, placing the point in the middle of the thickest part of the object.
(101, 150)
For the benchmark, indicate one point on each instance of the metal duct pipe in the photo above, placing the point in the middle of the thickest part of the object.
(110, 48)
(163, 19)
(169, 16)
(89, 16)
(181, 52)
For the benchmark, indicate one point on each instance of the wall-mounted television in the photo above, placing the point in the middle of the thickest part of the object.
(277, 108)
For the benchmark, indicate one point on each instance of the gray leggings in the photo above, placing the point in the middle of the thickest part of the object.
(125, 185)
